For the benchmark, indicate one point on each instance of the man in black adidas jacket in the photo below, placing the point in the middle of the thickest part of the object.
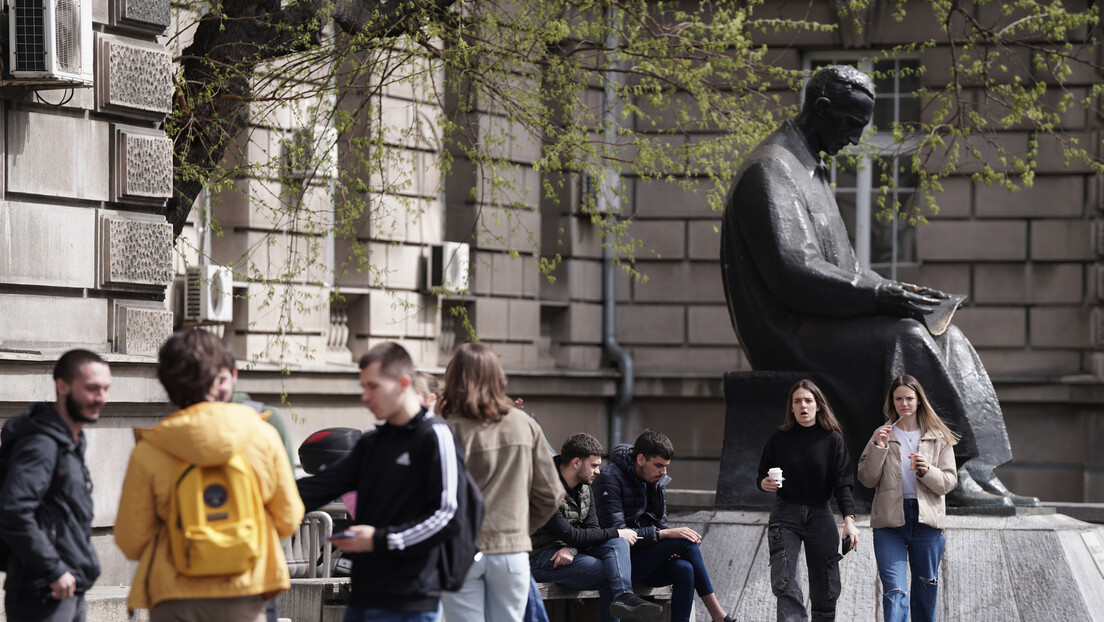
(405, 474)
(46, 496)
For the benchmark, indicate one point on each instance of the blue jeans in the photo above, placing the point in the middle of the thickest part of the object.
(790, 525)
(356, 614)
(652, 565)
(921, 548)
(495, 590)
(605, 567)
(534, 609)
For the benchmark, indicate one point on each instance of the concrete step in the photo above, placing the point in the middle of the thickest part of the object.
(106, 603)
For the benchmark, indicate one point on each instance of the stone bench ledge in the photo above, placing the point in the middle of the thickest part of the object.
(554, 591)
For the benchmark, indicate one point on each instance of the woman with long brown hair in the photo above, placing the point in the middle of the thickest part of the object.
(809, 449)
(510, 461)
(910, 464)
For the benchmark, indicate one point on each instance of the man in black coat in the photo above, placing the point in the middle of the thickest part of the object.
(800, 301)
(631, 493)
(46, 496)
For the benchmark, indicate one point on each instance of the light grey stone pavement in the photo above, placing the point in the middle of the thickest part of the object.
(1040, 568)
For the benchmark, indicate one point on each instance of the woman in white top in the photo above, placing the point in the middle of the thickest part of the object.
(910, 464)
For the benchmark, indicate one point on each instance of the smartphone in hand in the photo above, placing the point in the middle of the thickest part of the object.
(846, 545)
(341, 535)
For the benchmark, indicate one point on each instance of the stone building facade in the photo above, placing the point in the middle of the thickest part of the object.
(85, 259)
(85, 262)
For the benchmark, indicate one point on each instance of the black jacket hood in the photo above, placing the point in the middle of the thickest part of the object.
(40, 418)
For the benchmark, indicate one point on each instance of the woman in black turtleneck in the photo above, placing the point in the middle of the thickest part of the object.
(815, 465)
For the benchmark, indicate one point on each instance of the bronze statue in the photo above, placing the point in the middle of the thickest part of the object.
(800, 301)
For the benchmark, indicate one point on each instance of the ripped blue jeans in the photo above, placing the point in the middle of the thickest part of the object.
(914, 546)
(790, 526)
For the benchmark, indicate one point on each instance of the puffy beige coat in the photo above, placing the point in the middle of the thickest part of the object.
(880, 469)
(511, 463)
(205, 433)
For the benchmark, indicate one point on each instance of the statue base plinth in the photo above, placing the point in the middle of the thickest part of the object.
(1000, 511)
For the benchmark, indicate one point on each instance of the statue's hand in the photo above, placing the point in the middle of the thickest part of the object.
(893, 299)
(925, 291)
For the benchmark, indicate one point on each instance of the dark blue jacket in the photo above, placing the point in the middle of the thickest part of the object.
(46, 503)
(624, 500)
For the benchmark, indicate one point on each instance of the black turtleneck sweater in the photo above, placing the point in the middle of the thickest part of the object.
(815, 465)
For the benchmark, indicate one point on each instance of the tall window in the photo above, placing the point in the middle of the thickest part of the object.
(888, 246)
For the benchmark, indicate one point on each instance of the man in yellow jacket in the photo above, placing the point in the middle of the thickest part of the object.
(205, 432)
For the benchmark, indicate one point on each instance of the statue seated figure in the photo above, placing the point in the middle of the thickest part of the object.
(800, 301)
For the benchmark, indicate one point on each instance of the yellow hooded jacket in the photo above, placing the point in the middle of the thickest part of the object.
(205, 434)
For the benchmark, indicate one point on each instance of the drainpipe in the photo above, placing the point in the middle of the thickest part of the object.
(609, 204)
(616, 354)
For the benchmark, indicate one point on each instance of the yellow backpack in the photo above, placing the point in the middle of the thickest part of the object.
(217, 519)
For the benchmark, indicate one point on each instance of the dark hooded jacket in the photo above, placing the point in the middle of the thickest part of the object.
(46, 503)
(626, 501)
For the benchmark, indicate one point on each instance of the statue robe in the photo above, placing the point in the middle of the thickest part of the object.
(799, 301)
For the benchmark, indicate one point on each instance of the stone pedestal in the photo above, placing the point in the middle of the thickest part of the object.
(1024, 568)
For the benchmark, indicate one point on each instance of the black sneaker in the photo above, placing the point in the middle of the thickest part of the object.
(633, 607)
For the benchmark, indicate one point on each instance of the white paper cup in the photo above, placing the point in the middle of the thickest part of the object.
(776, 475)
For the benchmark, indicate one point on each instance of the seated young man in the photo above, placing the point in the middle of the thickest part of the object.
(573, 551)
(631, 494)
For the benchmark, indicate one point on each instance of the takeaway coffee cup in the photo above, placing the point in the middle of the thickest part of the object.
(776, 475)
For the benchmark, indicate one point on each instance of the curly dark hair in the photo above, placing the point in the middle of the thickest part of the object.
(651, 443)
(581, 445)
(188, 363)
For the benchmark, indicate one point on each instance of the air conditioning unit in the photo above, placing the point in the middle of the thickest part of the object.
(311, 152)
(209, 294)
(448, 267)
(50, 41)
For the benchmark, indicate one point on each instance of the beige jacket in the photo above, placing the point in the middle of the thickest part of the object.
(511, 463)
(880, 469)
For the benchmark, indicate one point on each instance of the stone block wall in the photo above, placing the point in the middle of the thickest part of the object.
(319, 267)
(504, 225)
(84, 261)
(1026, 259)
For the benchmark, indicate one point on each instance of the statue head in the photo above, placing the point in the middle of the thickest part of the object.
(839, 102)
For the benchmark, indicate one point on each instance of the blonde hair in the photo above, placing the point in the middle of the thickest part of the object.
(925, 415)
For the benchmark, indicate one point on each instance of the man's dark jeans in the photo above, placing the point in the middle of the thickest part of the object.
(604, 567)
(653, 565)
(791, 524)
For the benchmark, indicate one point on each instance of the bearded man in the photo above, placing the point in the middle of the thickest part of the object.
(46, 496)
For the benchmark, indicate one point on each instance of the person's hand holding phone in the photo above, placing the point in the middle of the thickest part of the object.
(355, 539)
